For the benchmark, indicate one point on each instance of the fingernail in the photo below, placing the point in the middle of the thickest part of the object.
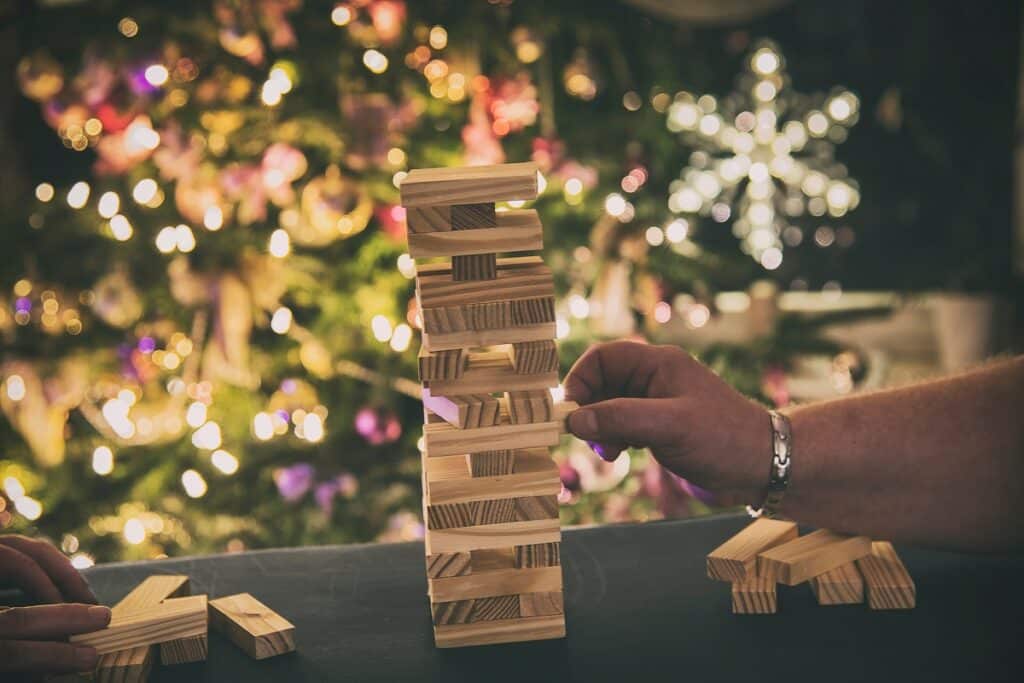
(86, 658)
(100, 613)
(599, 449)
(583, 423)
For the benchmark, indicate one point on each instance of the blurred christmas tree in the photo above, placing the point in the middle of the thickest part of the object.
(206, 311)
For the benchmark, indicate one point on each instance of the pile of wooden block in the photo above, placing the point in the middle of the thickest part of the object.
(840, 569)
(160, 615)
(487, 364)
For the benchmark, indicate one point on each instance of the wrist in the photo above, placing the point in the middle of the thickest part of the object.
(779, 457)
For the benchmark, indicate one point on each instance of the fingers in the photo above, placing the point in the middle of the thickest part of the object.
(45, 622)
(637, 422)
(620, 368)
(21, 570)
(45, 657)
(67, 579)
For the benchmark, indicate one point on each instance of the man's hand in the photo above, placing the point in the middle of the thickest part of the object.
(41, 571)
(32, 639)
(659, 397)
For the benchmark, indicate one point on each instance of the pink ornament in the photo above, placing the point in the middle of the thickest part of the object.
(378, 426)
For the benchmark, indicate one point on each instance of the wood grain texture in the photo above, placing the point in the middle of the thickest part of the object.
(170, 620)
(802, 558)
(476, 609)
(490, 315)
(428, 218)
(500, 474)
(541, 604)
(473, 216)
(490, 464)
(494, 583)
(735, 559)
(469, 185)
(468, 411)
(493, 559)
(493, 536)
(888, 584)
(255, 628)
(517, 230)
(514, 281)
(496, 632)
(441, 365)
(133, 665)
(538, 555)
(840, 586)
(494, 511)
(527, 407)
(532, 311)
(444, 439)
(530, 358)
(754, 595)
(448, 564)
(487, 371)
(184, 650)
(457, 340)
(444, 268)
(474, 267)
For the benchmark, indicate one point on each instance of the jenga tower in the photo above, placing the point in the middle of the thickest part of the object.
(487, 363)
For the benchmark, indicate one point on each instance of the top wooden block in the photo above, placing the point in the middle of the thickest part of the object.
(469, 185)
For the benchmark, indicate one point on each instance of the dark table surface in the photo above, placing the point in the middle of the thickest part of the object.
(638, 607)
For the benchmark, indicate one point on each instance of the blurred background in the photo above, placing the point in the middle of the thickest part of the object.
(207, 330)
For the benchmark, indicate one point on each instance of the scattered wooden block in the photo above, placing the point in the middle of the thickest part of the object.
(736, 559)
(529, 358)
(428, 218)
(494, 583)
(526, 407)
(458, 340)
(889, 585)
(538, 555)
(493, 536)
(491, 464)
(754, 595)
(448, 564)
(469, 185)
(518, 230)
(170, 620)
(475, 267)
(541, 604)
(487, 370)
(504, 631)
(473, 216)
(807, 556)
(441, 365)
(255, 628)
(840, 586)
(470, 411)
(184, 650)
(516, 278)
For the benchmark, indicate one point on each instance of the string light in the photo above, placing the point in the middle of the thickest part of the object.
(29, 508)
(185, 241)
(341, 15)
(579, 307)
(224, 461)
(134, 531)
(213, 218)
(195, 415)
(15, 387)
(438, 37)
(375, 61)
(144, 191)
(157, 74)
(381, 328)
(115, 412)
(167, 240)
(44, 192)
(78, 195)
(562, 328)
(82, 561)
(281, 321)
(312, 428)
(207, 436)
(401, 338)
(102, 461)
(108, 204)
(280, 244)
(128, 27)
(407, 266)
(654, 236)
(263, 427)
(121, 228)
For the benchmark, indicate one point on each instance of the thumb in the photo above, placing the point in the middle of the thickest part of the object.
(634, 421)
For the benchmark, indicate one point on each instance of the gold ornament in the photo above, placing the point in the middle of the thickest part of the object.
(333, 207)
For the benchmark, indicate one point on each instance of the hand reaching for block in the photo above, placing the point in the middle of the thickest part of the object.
(33, 639)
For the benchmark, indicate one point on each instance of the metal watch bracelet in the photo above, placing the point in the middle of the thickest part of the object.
(778, 473)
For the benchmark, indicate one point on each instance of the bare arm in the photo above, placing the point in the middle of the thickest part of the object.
(939, 464)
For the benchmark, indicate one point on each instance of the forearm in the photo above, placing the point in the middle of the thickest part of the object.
(939, 464)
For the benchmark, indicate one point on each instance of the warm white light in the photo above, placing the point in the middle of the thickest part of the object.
(838, 196)
(615, 204)
(213, 218)
(573, 186)
(765, 61)
(186, 241)
(562, 328)
(281, 321)
(341, 15)
(44, 192)
(140, 136)
(144, 191)
(758, 172)
(30, 508)
(438, 37)
(82, 561)
(312, 428)
(654, 235)
(157, 74)
(710, 124)
(78, 195)
(698, 316)
(195, 416)
(193, 483)
(167, 240)
(15, 387)
(579, 307)
(683, 116)
(224, 461)
(262, 426)
(817, 124)
(407, 266)
(271, 94)
(134, 531)
(207, 436)
(280, 244)
(281, 79)
(765, 91)
(109, 204)
(677, 230)
(121, 228)
(115, 412)
(13, 488)
(375, 61)
(102, 461)
(401, 338)
(771, 258)
(381, 328)
(662, 312)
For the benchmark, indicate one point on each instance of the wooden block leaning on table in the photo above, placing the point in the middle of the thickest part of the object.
(736, 559)
(840, 586)
(170, 620)
(889, 586)
(255, 628)
(469, 185)
(184, 650)
(808, 556)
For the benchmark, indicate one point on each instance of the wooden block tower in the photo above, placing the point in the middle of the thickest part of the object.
(487, 363)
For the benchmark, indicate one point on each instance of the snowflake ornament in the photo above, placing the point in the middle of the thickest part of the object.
(764, 157)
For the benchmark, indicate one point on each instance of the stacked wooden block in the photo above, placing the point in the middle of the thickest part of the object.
(487, 363)
(840, 569)
(160, 615)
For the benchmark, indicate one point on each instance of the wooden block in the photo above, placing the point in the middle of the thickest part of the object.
(541, 604)
(840, 586)
(441, 365)
(495, 632)
(538, 555)
(477, 609)
(492, 371)
(469, 185)
(473, 216)
(444, 269)
(514, 279)
(474, 267)
(526, 312)
(527, 407)
(444, 439)
(529, 358)
(448, 564)
(133, 665)
(184, 650)
(735, 559)
(889, 586)
(492, 315)
(754, 595)
(469, 411)
(518, 230)
(255, 628)
(492, 559)
(494, 511)
(494, 583)
(493, 536)
(800, 559)
(170, 620)
(457, 340)
(529, 472)
(428, 218)
(491, 464)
